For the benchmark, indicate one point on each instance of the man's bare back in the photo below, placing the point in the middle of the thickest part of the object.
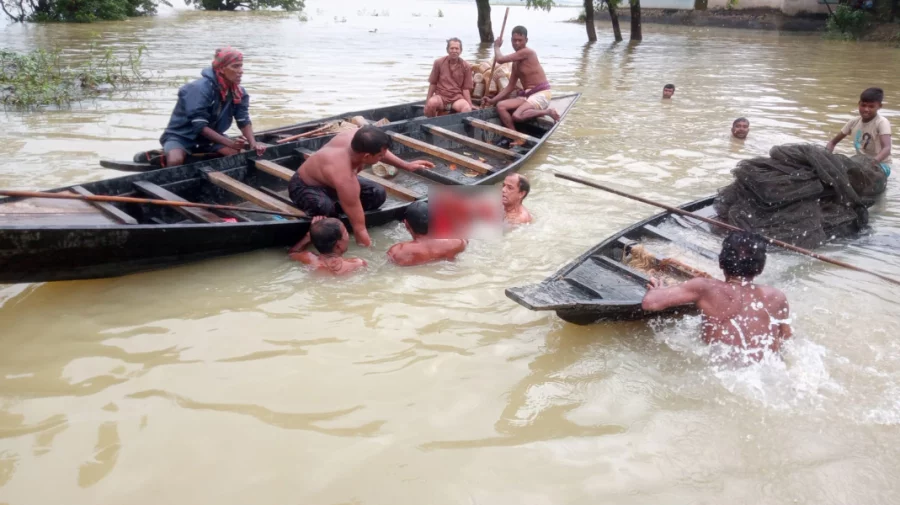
(329, 264)
(331, 164)
(425, 250)
(746, 316)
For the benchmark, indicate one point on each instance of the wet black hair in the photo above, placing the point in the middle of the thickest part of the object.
(738, 120)
(872, 95)
(524, 185)
(520, 30)
(417, 217)
(370, 140)
(743, 254)
(325, 234)
(669, 86)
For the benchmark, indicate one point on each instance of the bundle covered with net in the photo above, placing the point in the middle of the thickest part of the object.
(802, 194)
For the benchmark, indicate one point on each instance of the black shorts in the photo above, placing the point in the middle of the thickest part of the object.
(323, 201)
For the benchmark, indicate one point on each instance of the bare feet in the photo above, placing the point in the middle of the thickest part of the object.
(553, 114)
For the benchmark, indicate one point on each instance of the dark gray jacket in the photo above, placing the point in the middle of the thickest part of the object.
(200, 104)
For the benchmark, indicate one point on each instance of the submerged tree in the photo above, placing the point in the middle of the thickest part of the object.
(589, 20)
(231, 5)
(636, 20)
(77, 11)
(485, 31)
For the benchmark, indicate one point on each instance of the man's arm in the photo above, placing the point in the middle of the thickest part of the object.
(394, 160)
(784, 319)
(885, 148)
(251, 140)
(513, 79)
(431, 88)
(351, 265)
(400, 255)
(500, 58)
(659, 298)
(348, 195)
(468, 97)
(837, 138)
(218, 138)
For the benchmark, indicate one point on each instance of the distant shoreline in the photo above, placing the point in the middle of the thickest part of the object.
(751, 19)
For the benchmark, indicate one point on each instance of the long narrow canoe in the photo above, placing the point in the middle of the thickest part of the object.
(608, 282)
(393, 114)
(51, 240)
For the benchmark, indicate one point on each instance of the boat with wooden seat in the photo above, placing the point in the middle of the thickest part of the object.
(45, 239)
(608, 282)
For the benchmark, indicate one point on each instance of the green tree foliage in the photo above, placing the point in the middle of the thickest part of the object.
(540, 4)
(77, 11)
(230, 5)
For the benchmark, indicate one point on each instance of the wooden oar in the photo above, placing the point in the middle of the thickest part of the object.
(727, 226)
(494, 66)
(151, 201)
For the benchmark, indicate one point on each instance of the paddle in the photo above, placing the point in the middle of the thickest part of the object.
(128, 199)
(494, 66)
(772, 241)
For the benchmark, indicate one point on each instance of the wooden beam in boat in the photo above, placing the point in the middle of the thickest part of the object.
(274, 194)
(391, 187)
(192, 213)
(425, 147)
(306, 153)
(248, 193)
(470, 142)
(274, 169)
(107, 208)
(501, 130)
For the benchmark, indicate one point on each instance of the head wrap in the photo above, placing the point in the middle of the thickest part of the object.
(226, 56)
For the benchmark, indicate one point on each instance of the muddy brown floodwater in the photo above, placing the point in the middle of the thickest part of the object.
(246, 380)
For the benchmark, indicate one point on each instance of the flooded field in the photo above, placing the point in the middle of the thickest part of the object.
(245, 379)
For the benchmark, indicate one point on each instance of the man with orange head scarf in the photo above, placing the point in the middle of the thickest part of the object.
(206, 109)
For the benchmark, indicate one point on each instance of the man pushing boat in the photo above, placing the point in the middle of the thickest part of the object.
(205, 110)
(534, 101)
(327, 183)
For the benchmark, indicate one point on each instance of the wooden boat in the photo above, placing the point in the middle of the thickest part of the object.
(393, 114)
(51, 240)
(605, 284)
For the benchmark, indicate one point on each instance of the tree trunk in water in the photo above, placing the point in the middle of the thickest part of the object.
(636, 20)
(589, 20)
(614, 17)
(485, 31)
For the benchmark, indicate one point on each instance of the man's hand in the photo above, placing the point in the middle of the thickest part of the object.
(316, 219)
(259, 147)
(654, 284)
(498, 42)
(416, 165)
(486, 102)
(363, 239)
(238, 144)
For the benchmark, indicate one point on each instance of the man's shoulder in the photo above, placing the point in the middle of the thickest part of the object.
(882, 122)
(439, 61)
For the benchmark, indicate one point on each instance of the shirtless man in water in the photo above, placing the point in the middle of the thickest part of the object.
(422, 249)
(330, 238)
(534, 101)
(515, 189)
(327, 183)
(749, 317)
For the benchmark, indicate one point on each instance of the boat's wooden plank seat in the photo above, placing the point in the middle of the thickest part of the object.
(193, 213)
(501, 130)
(107, 208)
(425, 147)
(276, 195)
(477, 145)
(389, 186)
(248, 193)
(274, 169)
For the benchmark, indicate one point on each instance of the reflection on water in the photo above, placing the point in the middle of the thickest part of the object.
(244, 379)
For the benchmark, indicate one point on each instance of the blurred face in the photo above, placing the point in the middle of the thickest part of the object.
(234, 72)
(371, 159)
(518, 41)
(741, 129)
(454, 49)
(668, 92)
(510, 195)
(867, 110)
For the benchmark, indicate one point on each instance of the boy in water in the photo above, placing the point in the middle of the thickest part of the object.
(871, 132)
(748, 317)
(330, 238)
(668, 91)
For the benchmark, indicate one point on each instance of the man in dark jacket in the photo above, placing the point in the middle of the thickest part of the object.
(205, 110)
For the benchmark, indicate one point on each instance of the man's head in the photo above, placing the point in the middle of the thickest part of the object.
(329, 236)
(870, 102)
(519, 37)
(743, 255)
(371, 143)
(454, 48)
(515, 189)
(416, 219)
(229, 63)
(668, 90)
(740, 128)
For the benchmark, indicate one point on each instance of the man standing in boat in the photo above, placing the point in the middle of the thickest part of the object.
(534, 101)
(515, 189)
(327, 183)
(205, 110)
(450, 82)
(751, 318)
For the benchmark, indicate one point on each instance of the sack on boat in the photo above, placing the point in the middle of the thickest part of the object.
(384, 170)
(802, 194)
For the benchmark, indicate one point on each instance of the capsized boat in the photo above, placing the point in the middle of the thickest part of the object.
(52, 240)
